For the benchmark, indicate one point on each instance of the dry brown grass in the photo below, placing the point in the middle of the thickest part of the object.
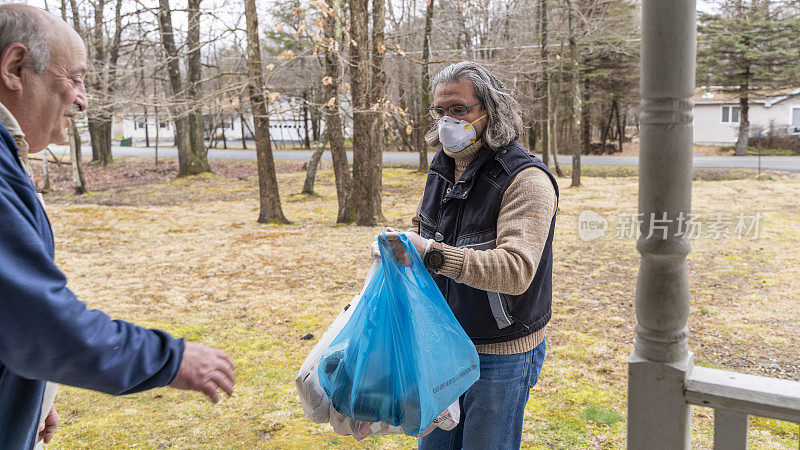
(188, 256)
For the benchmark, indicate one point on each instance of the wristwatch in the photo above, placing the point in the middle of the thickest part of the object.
(434, 257)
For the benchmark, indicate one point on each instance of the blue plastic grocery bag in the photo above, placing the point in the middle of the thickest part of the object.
(402, 358)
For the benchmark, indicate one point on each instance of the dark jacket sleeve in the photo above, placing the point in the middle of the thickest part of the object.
(47, 333)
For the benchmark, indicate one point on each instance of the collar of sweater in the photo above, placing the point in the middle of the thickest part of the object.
(10, 122)
(464, 157)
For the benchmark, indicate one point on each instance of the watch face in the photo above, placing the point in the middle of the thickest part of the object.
(434, 259)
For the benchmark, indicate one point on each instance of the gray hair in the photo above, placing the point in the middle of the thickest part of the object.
(504, 123)
(19, 26)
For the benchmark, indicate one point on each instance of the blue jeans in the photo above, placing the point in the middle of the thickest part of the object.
(493, 408)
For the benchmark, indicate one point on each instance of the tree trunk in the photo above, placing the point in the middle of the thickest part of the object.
(333, 120)
(270, 202)
(425, 95)
(607, 127)
(306, 136)
(195, 161)
(555, 107)
(158, 126)
(555, 145)
(620, 125)
(102, 79)
(576, 99)
(545, 103)
(225, 138)
(75, 158)
(174, 71)
(744, 127)
(586, 122)
(311, 171)
(315, 114)
(95, 83)
(110, 84)
(377, 98)
(98, 137)
(157, 119)
(146, 128)
(361, 202)
(211, 133)
(45, 172)
(249, 130)
(244, 136)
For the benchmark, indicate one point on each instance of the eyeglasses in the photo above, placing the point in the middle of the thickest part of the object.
(437, 112)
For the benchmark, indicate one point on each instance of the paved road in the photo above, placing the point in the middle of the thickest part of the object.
(790, 163)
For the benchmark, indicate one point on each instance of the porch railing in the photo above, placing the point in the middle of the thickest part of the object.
(735, 396)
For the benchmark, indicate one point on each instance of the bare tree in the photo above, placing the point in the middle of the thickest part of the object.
(104, 54)
(270, 202)
(425, 92)
(311, 169)
(361, 206)
(378, 100)
(191, 158)
(545, 85)
(78, 182)
(196, 160)
(333, 120)
(576, 97)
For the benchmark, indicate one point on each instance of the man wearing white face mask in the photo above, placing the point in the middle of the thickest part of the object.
(484, 227)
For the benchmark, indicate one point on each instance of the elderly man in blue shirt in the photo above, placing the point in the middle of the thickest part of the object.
(46, 333)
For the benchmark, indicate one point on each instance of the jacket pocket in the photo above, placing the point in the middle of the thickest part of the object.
(427, 228)
(482, 240)
(498, 302)
(499, 310)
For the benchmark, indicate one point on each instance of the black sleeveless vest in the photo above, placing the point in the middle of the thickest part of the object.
(465, 214)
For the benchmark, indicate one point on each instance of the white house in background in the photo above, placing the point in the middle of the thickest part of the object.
(717, 115)
(286, 124)
(134, 124)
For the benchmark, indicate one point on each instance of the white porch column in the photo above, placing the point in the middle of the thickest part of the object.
(658, 415)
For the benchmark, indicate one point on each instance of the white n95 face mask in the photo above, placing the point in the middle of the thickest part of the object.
(455, 134)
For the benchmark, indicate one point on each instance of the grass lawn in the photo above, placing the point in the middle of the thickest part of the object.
(187, 256)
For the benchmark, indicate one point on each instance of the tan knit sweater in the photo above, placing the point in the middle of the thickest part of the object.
(522, 227)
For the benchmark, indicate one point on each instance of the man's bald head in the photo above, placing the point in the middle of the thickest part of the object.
(31, 27)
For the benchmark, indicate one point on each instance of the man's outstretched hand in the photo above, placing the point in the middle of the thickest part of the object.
(205, 369)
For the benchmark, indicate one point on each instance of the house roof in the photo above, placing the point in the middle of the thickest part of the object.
(713, 95)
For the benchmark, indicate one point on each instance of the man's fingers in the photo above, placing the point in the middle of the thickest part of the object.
(226, 370)
(210, 389)
(50, 426)
(48, 436)
(398, 250)
(223, 381)
(227, 361)
(205, 369)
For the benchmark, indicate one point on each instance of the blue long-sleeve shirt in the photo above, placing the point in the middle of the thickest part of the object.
(46, 333)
